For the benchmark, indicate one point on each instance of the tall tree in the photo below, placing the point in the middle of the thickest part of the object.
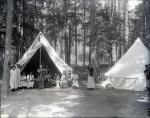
(65, 32)
(6, 71)
(84, 35)
(22, 30)
(55, 38)
(126, 25)
(69, 44)
(147, 22)
(92, 27)
(76, 52)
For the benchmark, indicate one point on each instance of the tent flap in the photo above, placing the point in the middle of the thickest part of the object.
(38, 42)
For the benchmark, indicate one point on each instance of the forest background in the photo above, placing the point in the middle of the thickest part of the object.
(81, 31)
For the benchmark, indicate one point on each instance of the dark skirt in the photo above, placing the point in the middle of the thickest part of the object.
(47, 84)
(41, 85)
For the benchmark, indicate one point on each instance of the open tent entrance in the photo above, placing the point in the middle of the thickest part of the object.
(46, 61)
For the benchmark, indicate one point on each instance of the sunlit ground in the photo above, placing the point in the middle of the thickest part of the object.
(75, 103)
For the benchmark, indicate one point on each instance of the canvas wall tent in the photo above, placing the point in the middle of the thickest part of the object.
(30, 60)
(128, 72)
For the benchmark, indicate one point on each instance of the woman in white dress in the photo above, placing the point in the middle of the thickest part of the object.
(30, 79)
(64, 82)
(24, 82)
(75, 83)
(58, 81)
(13, 79)
(18, 76)
(90, 82)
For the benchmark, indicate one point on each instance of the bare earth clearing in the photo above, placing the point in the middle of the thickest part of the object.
(75, 103)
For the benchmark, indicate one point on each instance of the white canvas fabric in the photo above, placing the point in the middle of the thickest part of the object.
(38, 42)
(128, 72)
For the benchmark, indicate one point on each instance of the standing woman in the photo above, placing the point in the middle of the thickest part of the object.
(58, 81)
(63, 82)
(18, 76)
(90, 82)
(147, 74)
(13, 79)
(75, 83)
(41, 77)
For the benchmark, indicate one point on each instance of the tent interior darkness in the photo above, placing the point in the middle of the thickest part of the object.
(34, 63)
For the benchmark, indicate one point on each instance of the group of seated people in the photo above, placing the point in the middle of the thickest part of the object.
(27, 80)
(48, 79)
(30, 81)
(45, 78)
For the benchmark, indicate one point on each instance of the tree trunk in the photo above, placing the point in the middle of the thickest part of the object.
(6, 70)
(119, 52)
(65, 35)
(20, 31)
(55, 38)
(76, 53)
(23, 28)
(35, 18)
(18, 22)
(84, 52)
(147, 22)
(92, 27)
(69, 45)
(61, 49)
(119, 6)
(126, 25)
(66, 48)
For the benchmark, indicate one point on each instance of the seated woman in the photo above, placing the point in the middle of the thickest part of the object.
(47, 82)
(24, 82)
(30, 79)
(75, 83)
(58, 80)
(54, 79)
(64, 82)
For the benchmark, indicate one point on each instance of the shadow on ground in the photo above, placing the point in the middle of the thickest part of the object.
(75, 103)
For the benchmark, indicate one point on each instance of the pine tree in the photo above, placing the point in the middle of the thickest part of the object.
(147, 22)
(126, 16)
(6, 67)
(92, 26)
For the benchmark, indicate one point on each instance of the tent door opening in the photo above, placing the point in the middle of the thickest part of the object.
(40, 57)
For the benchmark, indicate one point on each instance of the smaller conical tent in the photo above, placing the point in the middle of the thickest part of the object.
(52, 56)
(128, 72)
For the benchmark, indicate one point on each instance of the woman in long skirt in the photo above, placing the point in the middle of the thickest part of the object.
(58, 81)
(24, 82)
(18, 76)
(13, 79)
(64, 82)
(90, 82)
(75, 83)
(30, 79)
(41, 77)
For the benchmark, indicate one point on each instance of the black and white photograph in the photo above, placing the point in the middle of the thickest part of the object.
(75, 58)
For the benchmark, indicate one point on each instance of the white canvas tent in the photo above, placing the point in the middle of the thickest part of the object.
(38, 43)
(128, 72)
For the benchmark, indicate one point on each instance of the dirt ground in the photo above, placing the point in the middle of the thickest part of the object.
(70, 102)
